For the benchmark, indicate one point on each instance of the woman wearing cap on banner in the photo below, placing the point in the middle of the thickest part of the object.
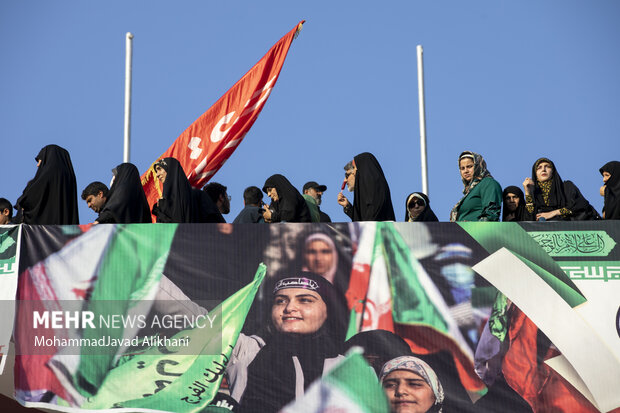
(51, 196)
(308, 325)
(482, 195)
(411, 386)
(611, 189)
(418, 208)
(372, 200)
(287, 203)
(547, 197)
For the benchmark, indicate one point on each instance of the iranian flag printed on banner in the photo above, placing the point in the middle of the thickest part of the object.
(390, 290)
(207, 143)
(350, 387)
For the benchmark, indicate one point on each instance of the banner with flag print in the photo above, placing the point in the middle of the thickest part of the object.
(516, 317)
(9, 260)
(203, 148)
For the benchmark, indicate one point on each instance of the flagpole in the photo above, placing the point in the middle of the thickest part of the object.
(128, 52)
(422, 119)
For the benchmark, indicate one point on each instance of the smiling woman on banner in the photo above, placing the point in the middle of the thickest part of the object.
(308, 325)
(51, 196)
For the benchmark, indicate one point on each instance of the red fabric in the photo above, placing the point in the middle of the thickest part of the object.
(422, 339)
(44, 379)
(207, 143)
(544, 389)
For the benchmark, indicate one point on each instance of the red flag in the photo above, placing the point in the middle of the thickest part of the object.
(543, 388)
(207, 143)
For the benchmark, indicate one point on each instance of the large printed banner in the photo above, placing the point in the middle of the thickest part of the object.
(9, 260)
(216, 317)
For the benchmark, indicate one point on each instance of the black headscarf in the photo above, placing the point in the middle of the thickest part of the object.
(180, 203)
(291, 205)
(271, 375)
(519, 212)
(372, 200)
(563, 194)
(427, 214)
(612, 190)
(51, 196)
(126, 202)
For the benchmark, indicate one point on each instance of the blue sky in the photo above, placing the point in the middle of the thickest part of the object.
(510, 80)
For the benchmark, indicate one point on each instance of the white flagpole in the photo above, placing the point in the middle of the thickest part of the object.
(422, 120)
(128, 52)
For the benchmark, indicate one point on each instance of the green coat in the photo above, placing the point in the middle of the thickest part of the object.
(483, 203)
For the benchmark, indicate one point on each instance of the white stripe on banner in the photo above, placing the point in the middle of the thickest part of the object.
(584, 349)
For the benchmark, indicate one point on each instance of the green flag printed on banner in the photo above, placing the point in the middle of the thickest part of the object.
(411, 302)
(350, 387)
(515, 239)
(128, 276)
(181, 383)
(9, 257)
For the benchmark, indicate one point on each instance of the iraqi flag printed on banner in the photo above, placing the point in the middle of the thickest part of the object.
(207, 143)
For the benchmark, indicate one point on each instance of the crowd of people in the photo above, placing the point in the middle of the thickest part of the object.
(307, 323)
(51, 196)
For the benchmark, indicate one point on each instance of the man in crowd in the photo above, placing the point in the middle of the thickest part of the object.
(219, 196)
(95, 195)
(6, 211)
(252, 211)
(316, 191)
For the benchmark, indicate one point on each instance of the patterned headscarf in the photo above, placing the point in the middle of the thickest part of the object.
(480, 172)
(418, 367)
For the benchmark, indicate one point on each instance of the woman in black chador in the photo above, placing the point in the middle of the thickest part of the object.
(372, 200)
(549, 198)
(513, 208)
(126, 202)
(51, 196)
(287, 203)
(418, 208)
(180, 203)
(611, 177)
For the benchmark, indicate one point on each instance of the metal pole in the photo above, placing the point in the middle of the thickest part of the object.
(128, 51)
(422, 120)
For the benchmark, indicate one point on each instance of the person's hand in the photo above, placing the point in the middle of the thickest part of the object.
(528, 186)
(602, 190)
(548, 215)
(267, 215)
(342, 200)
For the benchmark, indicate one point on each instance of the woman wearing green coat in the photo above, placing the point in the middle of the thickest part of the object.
(482, 195)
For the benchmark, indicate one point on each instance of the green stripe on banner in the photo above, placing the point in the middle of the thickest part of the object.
(180, 383)
(410, 302)
(355, 378)
(131, 268)
(509, 235)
